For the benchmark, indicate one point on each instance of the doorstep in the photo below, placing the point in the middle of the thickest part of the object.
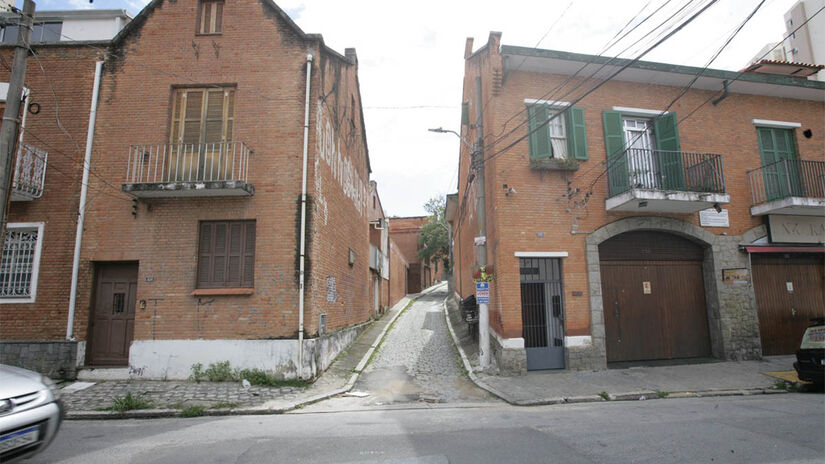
(103, 373)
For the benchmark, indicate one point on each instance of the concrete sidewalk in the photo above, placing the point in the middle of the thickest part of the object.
(634, 383)
(168, 398)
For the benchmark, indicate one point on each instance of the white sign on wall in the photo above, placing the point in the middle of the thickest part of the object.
(710, 218)
(797, 229)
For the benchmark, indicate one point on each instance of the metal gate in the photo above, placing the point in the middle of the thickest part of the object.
(542, 312)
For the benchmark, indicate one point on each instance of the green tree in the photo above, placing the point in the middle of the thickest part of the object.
(433, 240)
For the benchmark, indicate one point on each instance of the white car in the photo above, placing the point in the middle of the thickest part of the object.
(30, 413)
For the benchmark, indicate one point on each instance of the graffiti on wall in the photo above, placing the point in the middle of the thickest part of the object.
(343, 171)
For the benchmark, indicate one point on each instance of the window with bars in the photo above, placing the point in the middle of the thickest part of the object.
(226, 254)
(210, 16)
(19, 263)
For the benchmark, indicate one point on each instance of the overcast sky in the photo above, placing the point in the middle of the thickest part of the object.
(411, 62)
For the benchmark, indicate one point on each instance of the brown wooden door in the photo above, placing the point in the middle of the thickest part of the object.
(790, 290)
(654, 298)
(113, 314)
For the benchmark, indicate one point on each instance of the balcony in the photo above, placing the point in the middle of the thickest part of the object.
(188, 170)
(658, 181)
(788, 187)
(29, 173)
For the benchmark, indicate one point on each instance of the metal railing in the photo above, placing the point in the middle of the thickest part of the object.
(188, 162)
(787, 178)
(638, 168)
(30, 171)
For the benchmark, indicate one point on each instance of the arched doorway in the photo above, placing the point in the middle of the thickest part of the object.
(653, 297)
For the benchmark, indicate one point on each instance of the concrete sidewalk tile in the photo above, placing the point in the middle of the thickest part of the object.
(677, 395)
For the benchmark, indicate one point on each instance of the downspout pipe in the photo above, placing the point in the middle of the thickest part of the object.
(302, 257)
(81, 211)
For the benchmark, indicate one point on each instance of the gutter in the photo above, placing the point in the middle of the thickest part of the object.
(81, 212)
(302, 259)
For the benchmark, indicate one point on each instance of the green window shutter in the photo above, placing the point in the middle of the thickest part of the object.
(666, 130)
(617, 175)
(781, 179)
(539, 137)
(576, 137)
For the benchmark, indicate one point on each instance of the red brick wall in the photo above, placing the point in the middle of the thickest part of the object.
(398, 274)
(541, 204)
(266, 60)
(70, 71)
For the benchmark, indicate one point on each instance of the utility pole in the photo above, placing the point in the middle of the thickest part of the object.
(11, 117)
(478, 154)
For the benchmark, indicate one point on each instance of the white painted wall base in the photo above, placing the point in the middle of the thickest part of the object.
(578, 340)
(173, 359)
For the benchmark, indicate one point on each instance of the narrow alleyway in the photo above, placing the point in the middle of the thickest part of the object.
(416, 363)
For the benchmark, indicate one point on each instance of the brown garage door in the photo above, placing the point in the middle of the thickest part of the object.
(654, 297)
(790, 290)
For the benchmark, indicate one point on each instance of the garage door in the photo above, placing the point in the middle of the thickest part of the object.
(654, 297)
(790, 290)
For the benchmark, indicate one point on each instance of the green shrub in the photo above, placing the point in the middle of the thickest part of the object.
(219, 372)
(128, 403)
(197, 373)
(192, 411)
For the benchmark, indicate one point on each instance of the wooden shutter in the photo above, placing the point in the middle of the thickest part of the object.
(540, 146)
(781, 179)
(248, 271)
(670, 158)
(576, 137)
(226, 255)
(617, 175)
(211, 18)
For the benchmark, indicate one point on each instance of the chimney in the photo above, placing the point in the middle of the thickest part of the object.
(352, 57)
(468, 47)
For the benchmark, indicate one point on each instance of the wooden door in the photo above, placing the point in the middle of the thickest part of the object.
(790, 290)
(654, 297)
(113, 314)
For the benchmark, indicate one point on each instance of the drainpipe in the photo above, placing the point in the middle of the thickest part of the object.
(301, 273)
(81, 212)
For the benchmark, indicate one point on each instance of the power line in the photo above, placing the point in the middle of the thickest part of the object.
(600, 84)
(552, 93)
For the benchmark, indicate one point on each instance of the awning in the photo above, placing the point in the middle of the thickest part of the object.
(783, 249)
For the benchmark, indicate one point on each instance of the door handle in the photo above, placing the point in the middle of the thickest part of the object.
(793, 312)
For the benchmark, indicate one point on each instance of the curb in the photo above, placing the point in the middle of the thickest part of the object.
(168, 413)
(611, 397)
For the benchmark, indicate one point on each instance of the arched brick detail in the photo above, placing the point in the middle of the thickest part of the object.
(663, 224)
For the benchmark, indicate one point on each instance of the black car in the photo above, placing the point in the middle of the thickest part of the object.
(810, 358)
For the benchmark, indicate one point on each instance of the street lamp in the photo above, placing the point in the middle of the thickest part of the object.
(483, 308)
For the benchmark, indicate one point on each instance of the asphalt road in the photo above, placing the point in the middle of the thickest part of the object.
(753, 429)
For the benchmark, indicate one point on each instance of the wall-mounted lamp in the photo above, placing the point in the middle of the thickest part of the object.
(642, 204)
(717, 207)
(508, 190)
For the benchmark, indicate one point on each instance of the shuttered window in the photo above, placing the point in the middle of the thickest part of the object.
(562, 137)
(226, 254)
(210, 16)
(205, 115)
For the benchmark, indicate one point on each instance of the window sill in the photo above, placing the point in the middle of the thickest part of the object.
(198, 34)
(554, 164)
(222, 291)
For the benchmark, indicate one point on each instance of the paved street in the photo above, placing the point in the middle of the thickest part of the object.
(754, 429)
(417, 362)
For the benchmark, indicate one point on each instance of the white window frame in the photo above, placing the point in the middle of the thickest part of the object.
(776, 124)
(39, 226)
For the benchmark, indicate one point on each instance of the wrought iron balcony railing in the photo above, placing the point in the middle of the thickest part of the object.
(29, 173)
(665, 170)
(787, 178)
(187, 162)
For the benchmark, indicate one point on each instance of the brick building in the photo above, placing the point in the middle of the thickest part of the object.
(624, 227)
(35, 282)
(379, 253)
(404, 231)
(192, 244)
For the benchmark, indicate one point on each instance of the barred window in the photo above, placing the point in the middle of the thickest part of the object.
(19, 263)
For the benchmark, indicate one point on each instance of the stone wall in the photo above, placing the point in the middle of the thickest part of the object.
(57, 359)
(510, 361)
